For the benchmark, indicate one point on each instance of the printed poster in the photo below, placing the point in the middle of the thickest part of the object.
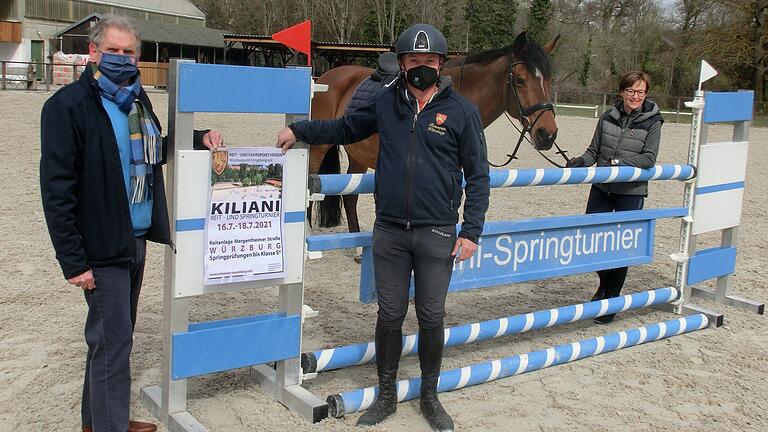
(244, 229)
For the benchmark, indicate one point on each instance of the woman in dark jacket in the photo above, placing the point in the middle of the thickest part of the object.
(627, 134)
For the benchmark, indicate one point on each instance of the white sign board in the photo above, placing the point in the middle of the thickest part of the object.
(244, 224)
(720, 186)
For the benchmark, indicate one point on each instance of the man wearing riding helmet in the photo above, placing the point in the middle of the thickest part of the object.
(428, 134)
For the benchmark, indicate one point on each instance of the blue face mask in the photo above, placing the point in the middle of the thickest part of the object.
(118, 68)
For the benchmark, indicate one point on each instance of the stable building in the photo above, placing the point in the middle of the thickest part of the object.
(30, 30)
(159, 44)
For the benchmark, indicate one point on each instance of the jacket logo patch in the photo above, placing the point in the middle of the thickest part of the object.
(440, 118)
(435, 129)
(632, 132)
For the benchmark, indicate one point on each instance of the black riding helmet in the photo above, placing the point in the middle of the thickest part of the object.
(421, 38)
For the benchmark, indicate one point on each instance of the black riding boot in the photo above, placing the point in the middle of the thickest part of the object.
(430, 358)
(615, 281)
(618, 276)
(604, 276)
(388, 348)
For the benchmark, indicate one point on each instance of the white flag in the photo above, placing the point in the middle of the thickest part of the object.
(707, 72)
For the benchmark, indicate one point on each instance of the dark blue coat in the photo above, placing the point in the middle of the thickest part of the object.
(421, 156)
(81, 182)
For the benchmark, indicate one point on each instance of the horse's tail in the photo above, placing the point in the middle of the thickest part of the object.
(329, 209)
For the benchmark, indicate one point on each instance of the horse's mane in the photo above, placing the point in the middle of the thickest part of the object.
(529, 52)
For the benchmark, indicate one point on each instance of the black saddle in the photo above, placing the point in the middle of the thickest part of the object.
(387, 66)
(387, 71)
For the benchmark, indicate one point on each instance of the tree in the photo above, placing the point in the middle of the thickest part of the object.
(732, 36)
(586, 64)
(342, 18)
(759, 40)
(489, 23)
(385, 19)
(538, 20)
(216, 12)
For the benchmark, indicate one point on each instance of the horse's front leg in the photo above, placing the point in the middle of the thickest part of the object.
(350, 209)
(350, 205)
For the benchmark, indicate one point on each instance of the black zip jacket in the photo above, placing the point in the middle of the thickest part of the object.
(81, 181)
(421, 156)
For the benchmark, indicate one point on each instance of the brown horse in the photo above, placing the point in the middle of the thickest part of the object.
(515, 79)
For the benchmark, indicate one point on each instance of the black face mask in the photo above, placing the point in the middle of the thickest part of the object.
(422, 77)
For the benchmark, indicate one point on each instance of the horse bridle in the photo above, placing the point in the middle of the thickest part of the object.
(525, 113)
(525, 118)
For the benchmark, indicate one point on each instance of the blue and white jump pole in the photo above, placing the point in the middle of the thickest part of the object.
(354, 184)
(361, 399)
(358, 354)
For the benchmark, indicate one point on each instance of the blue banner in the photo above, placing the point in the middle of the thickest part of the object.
(518, 257)
(510, 252)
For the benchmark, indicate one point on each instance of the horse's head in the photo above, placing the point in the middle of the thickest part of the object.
(529, 88)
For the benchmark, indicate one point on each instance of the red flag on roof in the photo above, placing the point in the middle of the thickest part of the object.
(297, 37)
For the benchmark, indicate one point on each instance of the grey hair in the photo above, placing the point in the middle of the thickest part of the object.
(121, 22)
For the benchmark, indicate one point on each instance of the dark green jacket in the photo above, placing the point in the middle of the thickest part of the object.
(631, 138)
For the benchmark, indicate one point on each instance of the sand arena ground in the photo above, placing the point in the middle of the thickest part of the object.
(710, 380)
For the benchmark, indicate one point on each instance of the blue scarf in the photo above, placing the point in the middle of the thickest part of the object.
(146, 141)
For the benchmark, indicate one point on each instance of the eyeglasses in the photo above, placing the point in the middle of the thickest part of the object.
(632, 92)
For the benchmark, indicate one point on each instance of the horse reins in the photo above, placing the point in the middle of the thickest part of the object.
(512, 156)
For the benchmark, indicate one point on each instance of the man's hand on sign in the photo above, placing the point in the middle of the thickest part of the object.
(213, 140)
(285, 139)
